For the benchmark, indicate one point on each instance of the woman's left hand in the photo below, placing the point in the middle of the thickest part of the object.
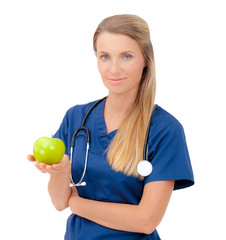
(74, 192)
(72, 200)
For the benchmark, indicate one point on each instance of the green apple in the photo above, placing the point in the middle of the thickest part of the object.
(49, 150)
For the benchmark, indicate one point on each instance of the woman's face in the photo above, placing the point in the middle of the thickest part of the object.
(120, 63)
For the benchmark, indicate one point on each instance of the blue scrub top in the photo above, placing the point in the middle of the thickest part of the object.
(167, 151)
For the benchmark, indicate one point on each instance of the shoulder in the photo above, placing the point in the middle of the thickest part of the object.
(164, 123)
(162, 117)
(79, 110)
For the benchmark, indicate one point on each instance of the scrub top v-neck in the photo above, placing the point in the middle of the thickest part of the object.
(167, 150)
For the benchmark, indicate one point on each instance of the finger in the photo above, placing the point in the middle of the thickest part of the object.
(57, 166)
(51, 169)
(31, 158)
(40, 166)
(44, 168)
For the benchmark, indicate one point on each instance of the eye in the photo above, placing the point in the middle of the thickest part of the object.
(104, 57)
(127, 57)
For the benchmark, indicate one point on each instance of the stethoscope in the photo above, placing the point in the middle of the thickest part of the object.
(144, 167)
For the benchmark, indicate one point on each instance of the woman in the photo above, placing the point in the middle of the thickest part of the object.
(117, 203)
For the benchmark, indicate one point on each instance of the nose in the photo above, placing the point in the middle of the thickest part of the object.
(115, 67)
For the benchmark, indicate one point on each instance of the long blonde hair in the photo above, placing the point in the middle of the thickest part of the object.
(126, 149)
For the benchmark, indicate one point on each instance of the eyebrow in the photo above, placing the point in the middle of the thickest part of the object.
(125, 52)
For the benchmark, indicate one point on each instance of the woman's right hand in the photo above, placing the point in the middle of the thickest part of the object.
(51, 169)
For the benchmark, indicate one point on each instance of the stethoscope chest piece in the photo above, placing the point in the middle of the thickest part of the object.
(144, 168)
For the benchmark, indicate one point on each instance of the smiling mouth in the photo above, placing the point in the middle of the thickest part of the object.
(116, 79)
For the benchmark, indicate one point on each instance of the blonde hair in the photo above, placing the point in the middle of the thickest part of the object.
(126, 149)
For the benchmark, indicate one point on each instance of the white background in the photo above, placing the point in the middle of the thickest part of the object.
(47, 65)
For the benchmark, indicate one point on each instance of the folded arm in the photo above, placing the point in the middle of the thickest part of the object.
(143, 218)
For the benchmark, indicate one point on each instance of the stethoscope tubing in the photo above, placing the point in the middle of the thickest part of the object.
(144, 167)
(80, 182)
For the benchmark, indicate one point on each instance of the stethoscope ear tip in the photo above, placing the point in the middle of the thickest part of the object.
(144, 168)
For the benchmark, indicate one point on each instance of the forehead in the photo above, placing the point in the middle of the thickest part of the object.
(112, 42)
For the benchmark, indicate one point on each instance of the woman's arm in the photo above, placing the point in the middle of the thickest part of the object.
(143, 218)
(58, 186)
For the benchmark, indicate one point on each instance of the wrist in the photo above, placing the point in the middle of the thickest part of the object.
(73, 203)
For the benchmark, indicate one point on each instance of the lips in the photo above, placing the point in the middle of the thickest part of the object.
(116, 79)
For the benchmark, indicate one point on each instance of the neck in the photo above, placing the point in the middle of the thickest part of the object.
(119, 104)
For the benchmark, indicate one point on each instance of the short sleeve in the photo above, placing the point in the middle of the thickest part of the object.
(169, 155)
